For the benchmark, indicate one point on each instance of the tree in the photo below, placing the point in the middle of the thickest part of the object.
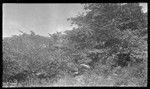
(115, 27)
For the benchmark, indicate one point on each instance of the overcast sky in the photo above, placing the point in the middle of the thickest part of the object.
(41, 18)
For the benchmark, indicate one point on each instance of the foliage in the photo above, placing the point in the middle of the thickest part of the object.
(116, 28)
(111, 39)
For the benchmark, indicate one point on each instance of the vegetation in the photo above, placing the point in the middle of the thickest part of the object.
(109, 45)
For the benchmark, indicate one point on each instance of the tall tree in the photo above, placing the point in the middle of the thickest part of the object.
(114, 27)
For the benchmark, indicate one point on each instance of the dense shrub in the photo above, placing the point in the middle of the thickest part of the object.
(111, 39)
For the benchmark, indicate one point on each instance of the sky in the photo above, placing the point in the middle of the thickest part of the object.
(40, 18)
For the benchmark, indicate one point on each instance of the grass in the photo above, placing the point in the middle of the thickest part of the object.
(78, 81)
(88, 79)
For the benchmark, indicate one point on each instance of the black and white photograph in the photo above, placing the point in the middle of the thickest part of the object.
(74, 45)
